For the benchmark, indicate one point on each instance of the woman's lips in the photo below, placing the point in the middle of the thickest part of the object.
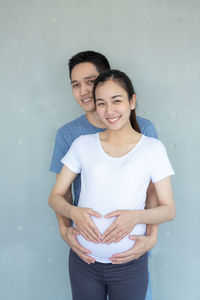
(113, 120)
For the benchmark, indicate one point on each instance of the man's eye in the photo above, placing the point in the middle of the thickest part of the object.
(91, 82)
(117, 101)
(100, 104)
(75, 85)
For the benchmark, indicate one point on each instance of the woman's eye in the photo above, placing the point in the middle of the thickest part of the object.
(75, 85)
(100, 104)
(117, 101)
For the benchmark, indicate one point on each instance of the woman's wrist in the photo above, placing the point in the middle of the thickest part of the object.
(72, 210)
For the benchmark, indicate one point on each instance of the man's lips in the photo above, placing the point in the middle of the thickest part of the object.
(113, 120)
(87, 100)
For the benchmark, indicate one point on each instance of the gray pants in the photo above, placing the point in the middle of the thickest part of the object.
(127, 281)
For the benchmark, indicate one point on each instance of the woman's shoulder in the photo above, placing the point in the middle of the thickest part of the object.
(151, 142)
(86, 139)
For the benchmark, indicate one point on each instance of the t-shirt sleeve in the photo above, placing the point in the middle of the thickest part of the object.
(60, 149)
(160, 165)
(72, 158)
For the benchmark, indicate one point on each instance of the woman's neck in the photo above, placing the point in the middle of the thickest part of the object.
(125, 135)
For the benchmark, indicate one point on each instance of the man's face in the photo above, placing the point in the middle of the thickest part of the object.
(83, 76)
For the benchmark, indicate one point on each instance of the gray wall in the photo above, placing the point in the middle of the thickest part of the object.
(157, 43)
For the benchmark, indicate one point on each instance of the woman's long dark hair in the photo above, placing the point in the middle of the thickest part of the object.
(124, 81)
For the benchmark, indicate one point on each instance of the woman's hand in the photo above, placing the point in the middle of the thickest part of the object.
(123, 224)
(82, 219)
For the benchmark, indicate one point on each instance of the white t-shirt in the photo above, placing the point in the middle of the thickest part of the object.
(111, 183)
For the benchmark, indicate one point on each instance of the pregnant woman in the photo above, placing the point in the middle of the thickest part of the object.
(116, 168)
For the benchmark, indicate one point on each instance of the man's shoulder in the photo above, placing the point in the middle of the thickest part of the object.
(143, 121)
(146, 127)
(72, 124)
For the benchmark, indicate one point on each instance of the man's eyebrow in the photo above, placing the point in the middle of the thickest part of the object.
(85, 78)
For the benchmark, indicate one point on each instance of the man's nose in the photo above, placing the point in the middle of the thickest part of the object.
(84, 90)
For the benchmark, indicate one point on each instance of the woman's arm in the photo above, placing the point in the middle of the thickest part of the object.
(80, 216)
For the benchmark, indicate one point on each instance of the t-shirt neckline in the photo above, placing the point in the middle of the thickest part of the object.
(119, 157)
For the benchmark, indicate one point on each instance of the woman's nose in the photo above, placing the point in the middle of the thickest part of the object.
(109, 109)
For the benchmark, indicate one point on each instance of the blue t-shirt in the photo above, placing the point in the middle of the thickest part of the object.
(70, 131)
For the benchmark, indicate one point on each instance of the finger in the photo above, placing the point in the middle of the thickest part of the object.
(80, 248)
(108, 231)
(123, 254)
(85, 258)
(113, 214)
(122, 261)
(95, 232)
(94, 213)
(134, 237)
(75, 231)
(90, 235)
(121, 236)
(113, 236)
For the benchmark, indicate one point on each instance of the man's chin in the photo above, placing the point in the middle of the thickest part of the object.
(88, 108)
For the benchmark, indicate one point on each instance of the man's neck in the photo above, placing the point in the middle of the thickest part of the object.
(93, 119)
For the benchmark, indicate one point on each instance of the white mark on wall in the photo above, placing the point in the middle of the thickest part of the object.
(21, 109)
(17, 258)
(173, 114)
(145, 21)
(167, 264)
(169, 233)
(20, 17)
(141, 112)
(19, 228)
(53, 111)
(54, 20)
(171, 146)
(50, 228)
(178, 22)
(20, 141)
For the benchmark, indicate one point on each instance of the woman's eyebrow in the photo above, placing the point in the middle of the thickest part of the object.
(99, 99)
(116, 96)
(113, 97)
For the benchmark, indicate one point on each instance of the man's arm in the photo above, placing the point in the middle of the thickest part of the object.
(69, 233)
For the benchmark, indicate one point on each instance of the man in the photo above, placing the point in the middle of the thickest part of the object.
(84, 68)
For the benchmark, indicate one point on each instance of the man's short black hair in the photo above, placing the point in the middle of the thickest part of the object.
(97, 59)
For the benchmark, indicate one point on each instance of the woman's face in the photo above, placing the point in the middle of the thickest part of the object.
(113, 105)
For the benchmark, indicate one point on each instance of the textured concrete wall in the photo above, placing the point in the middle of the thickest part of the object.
(157, 43)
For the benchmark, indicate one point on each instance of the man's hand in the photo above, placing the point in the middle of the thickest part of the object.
(69, 235)
(82, 219)
(123, 224)
(142, 245)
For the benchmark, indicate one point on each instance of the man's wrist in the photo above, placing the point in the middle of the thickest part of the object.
(152, 234)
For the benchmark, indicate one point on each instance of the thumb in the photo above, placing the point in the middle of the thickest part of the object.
(94, 213)
(134, 237)
(75, 231)
(113, 214)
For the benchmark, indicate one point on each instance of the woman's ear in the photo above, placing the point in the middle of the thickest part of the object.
(133, 102)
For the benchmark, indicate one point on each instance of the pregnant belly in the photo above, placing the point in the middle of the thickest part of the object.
(102, 252)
